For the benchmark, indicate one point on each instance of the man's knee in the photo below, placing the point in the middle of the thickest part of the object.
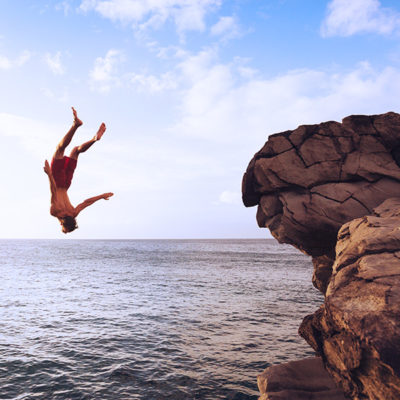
(59, 153)
(74, 152)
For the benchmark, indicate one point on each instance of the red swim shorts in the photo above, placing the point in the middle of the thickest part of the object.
(63, 171)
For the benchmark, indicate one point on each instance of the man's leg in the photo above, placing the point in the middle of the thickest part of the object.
(83, 147)
(66, 140)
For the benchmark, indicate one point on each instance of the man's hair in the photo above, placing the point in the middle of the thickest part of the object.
(69, 224)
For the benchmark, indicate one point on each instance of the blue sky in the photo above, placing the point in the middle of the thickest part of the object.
(189, 91)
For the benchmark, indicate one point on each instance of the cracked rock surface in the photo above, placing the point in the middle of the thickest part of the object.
(357, 330)
(310, 181)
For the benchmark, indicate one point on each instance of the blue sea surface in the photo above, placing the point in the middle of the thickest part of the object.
(148, 319)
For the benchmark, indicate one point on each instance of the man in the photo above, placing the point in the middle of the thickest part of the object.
(60, 175)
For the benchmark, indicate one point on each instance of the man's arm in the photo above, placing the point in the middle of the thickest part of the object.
(90, 201)
(47, 170)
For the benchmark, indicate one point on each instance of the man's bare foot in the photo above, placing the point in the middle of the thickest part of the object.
(100, 132)
(77, 121)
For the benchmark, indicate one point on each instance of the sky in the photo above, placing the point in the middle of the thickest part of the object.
(189, 91)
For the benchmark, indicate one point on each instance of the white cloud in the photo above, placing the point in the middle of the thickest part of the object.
(346, 18)
(187, 14)
(166, 52)
(54, 63)
(37, 137)
(190, 14)
(62, 98)
(7, 63)
(229, 197)
(104, 75)
(220, 105)
(65, 6)
(23, 58)
(223, 103)
(152, 83)
(226, 27)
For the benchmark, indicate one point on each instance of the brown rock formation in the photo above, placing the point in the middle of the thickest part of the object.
(357, 330)
(307, 184)
(298, 380)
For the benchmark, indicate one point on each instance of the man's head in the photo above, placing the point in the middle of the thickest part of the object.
(68, 224)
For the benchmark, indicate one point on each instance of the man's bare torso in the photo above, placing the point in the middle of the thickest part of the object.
(60, 205)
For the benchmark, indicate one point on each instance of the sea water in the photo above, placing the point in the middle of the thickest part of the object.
(148, 319)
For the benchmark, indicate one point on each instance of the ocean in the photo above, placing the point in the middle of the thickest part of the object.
(148, 319)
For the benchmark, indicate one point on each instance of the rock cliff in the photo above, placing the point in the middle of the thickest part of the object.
(318, 188)
(357, 330)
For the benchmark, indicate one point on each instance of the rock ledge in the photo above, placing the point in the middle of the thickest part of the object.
(298, 380)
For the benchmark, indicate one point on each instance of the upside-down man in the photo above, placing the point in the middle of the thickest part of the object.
(60, 176)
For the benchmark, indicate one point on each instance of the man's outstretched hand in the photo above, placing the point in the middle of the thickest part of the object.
(47, 168)
(106, 196)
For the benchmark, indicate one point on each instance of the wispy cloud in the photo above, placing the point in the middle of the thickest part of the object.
(230, 197)
(37, 137)
(23, 58)
(62, 98)
(53, 61)
(151, 83)
(65, 6)
(8, 63)
(5, 62)
(227, 28)
(104, 74)
(346, 18)
(186, 14)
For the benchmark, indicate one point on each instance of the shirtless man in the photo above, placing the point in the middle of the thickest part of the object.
(60, 176)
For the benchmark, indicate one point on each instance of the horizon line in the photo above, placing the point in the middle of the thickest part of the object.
(204, 238)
